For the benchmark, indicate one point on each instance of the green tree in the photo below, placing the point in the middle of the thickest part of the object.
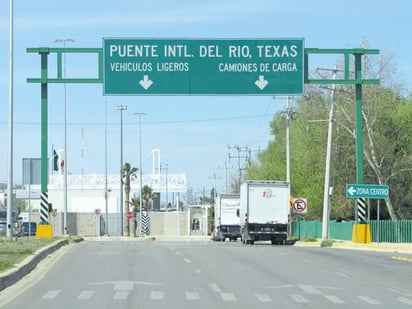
(146, 198)
(387, 118)
(128, 174)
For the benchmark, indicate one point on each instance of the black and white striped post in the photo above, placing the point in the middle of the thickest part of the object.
(361, 210)
(44, 207)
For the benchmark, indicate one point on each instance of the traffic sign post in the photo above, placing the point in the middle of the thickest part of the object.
(367, 191)
(361, 233)
(203, 67)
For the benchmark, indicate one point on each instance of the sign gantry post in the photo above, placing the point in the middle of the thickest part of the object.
(358, 81)
(44, 203)
(203, 67)
(44, 80)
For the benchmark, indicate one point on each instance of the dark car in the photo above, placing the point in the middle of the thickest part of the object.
(3, 221)
(27, 229)
(3, 217)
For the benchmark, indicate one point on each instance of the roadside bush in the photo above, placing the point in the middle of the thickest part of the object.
(326, 243)
(308, 239)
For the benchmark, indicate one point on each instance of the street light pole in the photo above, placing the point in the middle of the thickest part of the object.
(106, 229)
(121, 108)
(140, 170)
(11, 143)
(64, 41)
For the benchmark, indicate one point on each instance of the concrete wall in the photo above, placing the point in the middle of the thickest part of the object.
(161, 223)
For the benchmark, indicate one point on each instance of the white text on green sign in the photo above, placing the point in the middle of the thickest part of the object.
(367, 191)
(203, 67)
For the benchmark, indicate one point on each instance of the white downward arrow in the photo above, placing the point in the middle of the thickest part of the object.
(261, 82)
(146, 82)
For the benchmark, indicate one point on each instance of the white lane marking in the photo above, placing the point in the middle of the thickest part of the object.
(405, 300)
(86, 295)
(334, 299)
(198, 271)
(264, 298)
(157, 295)
(369, 300)
(281, 286)
(192, 296)
(214, 288)
(309, 289)
(342, 274)
(299, 298)
(52, 294)
(124, 285)
(399, 292)
(188, 261)
(228, 297)
(121, 295)
(178, 253)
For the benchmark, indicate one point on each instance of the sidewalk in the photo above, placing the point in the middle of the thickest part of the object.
(387, 247)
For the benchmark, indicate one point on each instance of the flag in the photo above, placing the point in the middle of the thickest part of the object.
(55, 161)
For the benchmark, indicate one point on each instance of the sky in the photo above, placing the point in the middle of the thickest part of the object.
(193, 133)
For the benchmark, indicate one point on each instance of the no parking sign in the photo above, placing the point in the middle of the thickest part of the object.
(300, 205)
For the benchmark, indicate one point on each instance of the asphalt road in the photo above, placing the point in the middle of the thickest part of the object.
(193, 274)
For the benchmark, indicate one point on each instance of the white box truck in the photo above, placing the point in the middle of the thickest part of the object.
(227, 221)
(264, 211)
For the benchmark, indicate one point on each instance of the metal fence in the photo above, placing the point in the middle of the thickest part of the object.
(381, 231)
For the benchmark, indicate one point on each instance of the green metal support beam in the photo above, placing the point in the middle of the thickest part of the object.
(59, 74)
(356, 80)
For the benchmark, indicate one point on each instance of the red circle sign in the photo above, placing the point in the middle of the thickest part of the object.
(299, 205)
(129, 214)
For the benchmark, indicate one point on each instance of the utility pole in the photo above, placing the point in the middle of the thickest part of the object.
(242, 153)
(167, 184)
(121, 108)
(288, 116)
(327, 193)
(226, 169)
(214, 188)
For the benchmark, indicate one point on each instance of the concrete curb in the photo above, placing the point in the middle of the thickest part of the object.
(149, 238)
(13, 275)
(388, 247)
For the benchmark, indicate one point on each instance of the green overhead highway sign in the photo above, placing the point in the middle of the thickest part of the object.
(203, 67)
(367, 191)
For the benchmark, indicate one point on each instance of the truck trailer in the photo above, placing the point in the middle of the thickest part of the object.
(264, 211)
(227, 223)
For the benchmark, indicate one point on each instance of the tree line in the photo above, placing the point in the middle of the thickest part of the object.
(387, 139)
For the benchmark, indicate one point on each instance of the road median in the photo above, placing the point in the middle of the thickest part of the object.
(13, 275)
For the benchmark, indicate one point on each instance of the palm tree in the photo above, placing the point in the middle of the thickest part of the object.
(128, 174)
(135, 204)
(146, 196)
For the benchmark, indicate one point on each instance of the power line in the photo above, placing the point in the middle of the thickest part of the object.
(146, 123)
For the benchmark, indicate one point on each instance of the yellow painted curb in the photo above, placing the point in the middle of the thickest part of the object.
(402, 258)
